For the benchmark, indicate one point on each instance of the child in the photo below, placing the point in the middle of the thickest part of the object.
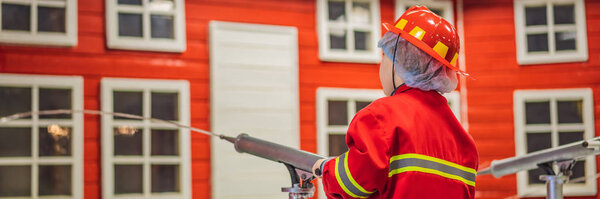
(409, 144)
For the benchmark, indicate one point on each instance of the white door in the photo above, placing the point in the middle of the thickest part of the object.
(254, 90)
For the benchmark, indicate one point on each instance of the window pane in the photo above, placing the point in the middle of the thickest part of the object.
(569, 137)
(55, 180)
(337, 39)
(361, 105)
(165, 178)
(439, 12)
(337, 11)
(535, 16)
(361, 40)
(127, 144)
(579, 171)
(534, 176)
(127, 102)
(128, 179)
(51, 19)
(162, 26)
(130, 2)
(537, 42)
(570, 111)
(165, 142)
(15, 141)
(14, 100)
(51, 99)
(337, 112)
(55, 143)
(565, 40)
(361, 13)
(537, 112)
(337, 144)
(130, 25)
(564, 14)
(16, 17)
(538, 141)
(15, 181)
(165, 106)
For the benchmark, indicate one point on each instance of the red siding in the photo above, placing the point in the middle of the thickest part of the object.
(491, 58)
(92, 60)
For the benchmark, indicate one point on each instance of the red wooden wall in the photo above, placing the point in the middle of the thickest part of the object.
(92, 60)
(491, 58)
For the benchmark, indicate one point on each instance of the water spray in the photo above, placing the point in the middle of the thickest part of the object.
(298, 162)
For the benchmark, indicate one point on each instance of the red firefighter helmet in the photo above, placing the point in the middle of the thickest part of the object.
(430, 33)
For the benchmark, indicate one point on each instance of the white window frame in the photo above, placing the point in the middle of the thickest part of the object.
(33, 37)
(552, 56)
(108, 159)
(348, 55)
(146, 43)
(454, 98)
(325, 94)
(35, 82)
(552, 95)
(432, 4)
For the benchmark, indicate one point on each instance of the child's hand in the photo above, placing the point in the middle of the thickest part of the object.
(316, 168)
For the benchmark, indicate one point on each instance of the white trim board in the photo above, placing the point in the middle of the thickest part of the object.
(254, 90)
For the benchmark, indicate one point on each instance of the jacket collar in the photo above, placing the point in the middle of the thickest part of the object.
(400, 89)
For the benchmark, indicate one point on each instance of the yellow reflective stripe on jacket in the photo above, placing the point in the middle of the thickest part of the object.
(426, 164)
(345, 179)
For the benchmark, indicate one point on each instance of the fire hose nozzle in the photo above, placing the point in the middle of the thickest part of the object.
(227, 138)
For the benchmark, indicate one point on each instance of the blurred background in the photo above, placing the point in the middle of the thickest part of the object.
(290, 71)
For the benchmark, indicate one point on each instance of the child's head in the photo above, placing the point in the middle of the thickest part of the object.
(423, 49)
(412, 66)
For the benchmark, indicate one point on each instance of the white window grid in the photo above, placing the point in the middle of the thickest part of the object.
(33, 37)
(181, 87)
(349, 54)
(444, 5)
(453, 99)
(146, 43)
(521, 129)
(552, 56)
(323, 129)
(35, 82)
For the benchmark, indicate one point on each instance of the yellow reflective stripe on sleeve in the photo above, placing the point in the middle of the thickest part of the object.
(419, 156)
(426, 164)
(345, 180)
(432, 171)
(351, 178)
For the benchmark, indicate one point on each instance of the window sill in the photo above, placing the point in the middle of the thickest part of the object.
(357, 57)
(41, 39)
(144, 45)
(550, 59)
(539, 190)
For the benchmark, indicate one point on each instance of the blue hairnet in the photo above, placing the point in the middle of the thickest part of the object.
(417, 68)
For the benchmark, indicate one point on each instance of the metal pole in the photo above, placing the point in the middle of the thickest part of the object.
(554, 185)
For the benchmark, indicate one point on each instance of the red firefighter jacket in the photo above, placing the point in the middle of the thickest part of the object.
(409, 145)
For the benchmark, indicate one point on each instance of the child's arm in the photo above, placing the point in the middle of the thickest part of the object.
(363, 169)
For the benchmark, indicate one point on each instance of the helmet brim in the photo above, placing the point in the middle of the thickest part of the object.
(424, 47)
